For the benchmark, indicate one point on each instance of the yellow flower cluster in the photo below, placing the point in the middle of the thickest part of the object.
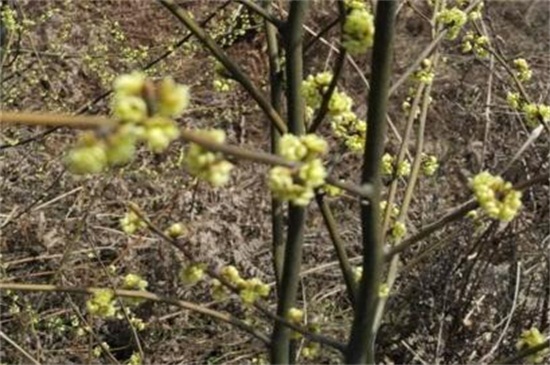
(429, 164)
(134, 282)
(295, 316)
(331, 190)
(454, 19)
(144, 111)
(384, 205)
(514, 100)
(529, 339)
(223, 85)
(352, 130)
(135, 359)
(192, 274)
(296, 184)
(388, 166)
(476, 11)
(345, 124)
(497, 197)
(176, 230)
(384, 290)
(476, 43)
(426, 74)
(536, 113)
(523, 72)
(315, 86)
(102, 303)
(311, 350)
(131, 222)
(206, 165)
(219, 292)
(249, 290)
(358, 30)
(357, 273)
(398, 231)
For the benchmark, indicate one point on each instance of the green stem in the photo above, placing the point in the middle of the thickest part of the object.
(280, 343)
(338, 67)
(276, 83)
(363, 334)
(236, 71)
(339, 247)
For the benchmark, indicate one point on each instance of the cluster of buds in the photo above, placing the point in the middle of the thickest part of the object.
(176, 230)
(398, 230)
(429, 164)
(222, 79)
(454, 19)
(134, 282)
(394, 210)
(497, 197)
(144, 111)
(383, 290)
(351, 130)
(531, 338)
(331, 190)
(249, 290)
(426, 73)
(475, 13)
(315, 86)
(297, 184)
(389, 168)
(102, 303)
(345, 124)
(295, 316)
(192, 274)
(131, 222)
(523, 72)
(358, 30)
(514, 100)
(357, 273)
(536, 113)
(476, 43)
(206, 165)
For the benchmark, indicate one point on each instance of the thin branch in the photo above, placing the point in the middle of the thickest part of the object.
(237, 73)
(182, 247)
(223, 317)
(56, 120)
(293, 38)
(102, 96)
(321, 34)
(88, 122)
(266, 15)
(338, 67)
(361, 347)
(339, 247)
(455, 214)
(276, 90)
(426, 52)
(19, 348)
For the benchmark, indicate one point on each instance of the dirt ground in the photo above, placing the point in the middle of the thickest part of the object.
(478, 286)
